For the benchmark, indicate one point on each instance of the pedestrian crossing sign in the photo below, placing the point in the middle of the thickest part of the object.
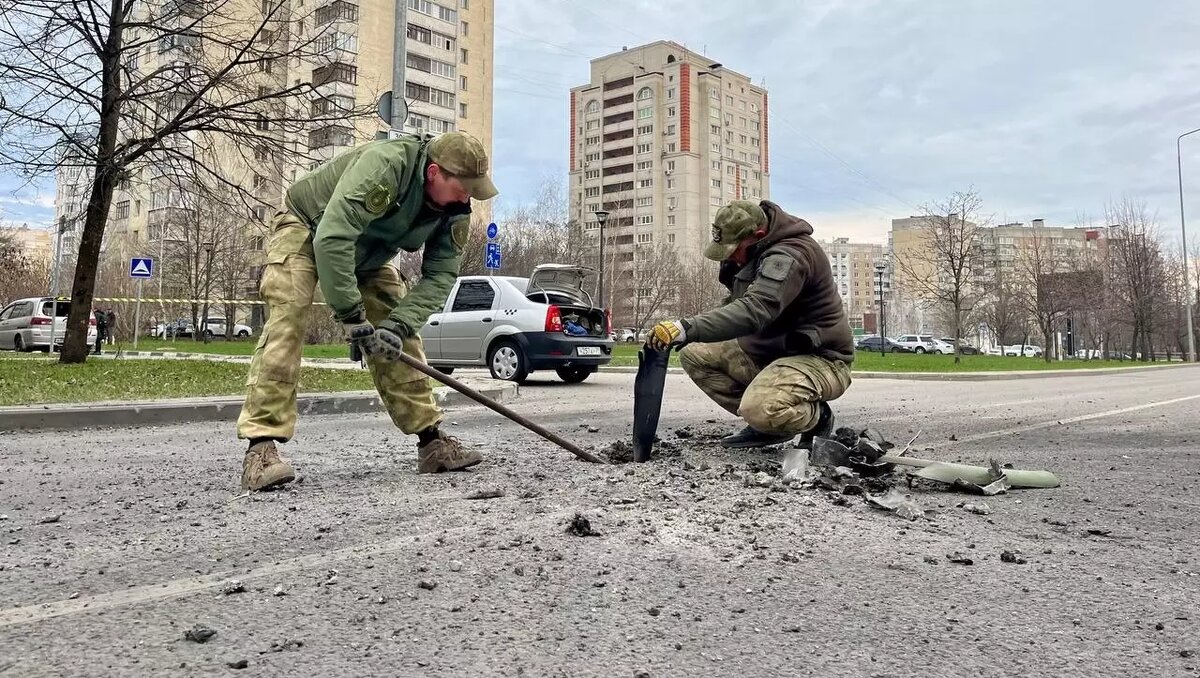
(140, 267)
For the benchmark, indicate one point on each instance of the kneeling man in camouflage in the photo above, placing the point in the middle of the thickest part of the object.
(780, 347)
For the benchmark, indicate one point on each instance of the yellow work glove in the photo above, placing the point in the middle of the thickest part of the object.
(666, 333)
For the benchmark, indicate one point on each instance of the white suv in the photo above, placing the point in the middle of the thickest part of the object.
(917, 343)
(25, 324)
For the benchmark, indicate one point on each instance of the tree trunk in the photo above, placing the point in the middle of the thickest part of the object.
(75, 347)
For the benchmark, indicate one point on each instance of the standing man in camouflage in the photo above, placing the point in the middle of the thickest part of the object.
(344, 222)
(779, 348)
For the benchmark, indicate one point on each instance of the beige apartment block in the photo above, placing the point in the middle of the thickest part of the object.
(660, 138)
(853, 266)
(998, 251)
(448, 85)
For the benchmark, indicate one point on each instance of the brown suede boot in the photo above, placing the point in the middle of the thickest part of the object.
(445, 453)
(264, 468)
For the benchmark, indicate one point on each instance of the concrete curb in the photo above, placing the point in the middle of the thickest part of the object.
(72, 416)
(973, 376)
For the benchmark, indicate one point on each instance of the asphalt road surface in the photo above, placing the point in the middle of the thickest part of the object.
(113, 544)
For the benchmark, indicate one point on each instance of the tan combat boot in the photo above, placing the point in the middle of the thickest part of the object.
(445, 454)
(264, 468)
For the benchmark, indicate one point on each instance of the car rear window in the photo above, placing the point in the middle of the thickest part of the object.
(63, 309)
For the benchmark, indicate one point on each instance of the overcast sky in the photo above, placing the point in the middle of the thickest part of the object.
(1049, 109)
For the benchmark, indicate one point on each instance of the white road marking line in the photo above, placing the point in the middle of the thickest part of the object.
(176, 588)
(1063, 422)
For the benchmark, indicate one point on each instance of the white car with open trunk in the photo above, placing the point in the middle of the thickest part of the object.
(515, 326)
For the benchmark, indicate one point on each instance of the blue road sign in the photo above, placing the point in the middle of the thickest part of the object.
(492, 260)
(492, 230)
(142, 268)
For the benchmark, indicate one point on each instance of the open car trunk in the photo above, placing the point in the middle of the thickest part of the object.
(562, 285)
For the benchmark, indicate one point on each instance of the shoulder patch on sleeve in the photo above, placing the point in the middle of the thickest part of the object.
(777, 267)
(378, 199)
(460, 233)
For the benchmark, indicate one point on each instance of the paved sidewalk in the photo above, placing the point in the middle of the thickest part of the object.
(75, 416)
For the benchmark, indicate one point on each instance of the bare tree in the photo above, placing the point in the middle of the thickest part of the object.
(1001, 308)
(1138, 269)
(1044, 284)
(23, 273)
(74, 89)
(698, 289)
(652, 283)
(947, 269)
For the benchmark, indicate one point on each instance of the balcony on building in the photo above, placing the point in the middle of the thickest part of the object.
(618, 87)
(330, 135)
(338, 12)
(336, 79)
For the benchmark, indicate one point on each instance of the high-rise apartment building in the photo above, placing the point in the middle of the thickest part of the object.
(660, 138)
(853, 266)
(447, 52)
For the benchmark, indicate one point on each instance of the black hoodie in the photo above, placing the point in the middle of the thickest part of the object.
(783, 302)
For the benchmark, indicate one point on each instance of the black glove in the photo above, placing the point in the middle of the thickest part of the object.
(361, 335)
(389, 341)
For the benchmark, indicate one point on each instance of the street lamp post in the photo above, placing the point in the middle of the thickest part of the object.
(880, 267)
(1187, 287)
(208, 255)
(601, 217)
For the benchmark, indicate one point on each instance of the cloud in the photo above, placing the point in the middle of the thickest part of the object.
(1048, 109)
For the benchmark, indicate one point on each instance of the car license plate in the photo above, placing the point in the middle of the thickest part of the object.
(589, 350)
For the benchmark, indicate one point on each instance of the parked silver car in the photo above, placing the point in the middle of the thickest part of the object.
(515, 326)
(25, 324)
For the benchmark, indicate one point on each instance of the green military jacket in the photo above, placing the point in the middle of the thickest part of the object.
(366, 205)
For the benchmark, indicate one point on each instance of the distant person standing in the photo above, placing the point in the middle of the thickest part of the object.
(111, 316)
(101, 329)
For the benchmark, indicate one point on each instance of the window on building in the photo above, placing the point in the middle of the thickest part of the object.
(261, 123)
(671, 202)
(644, 113)
(592, 157)
(742, 138)
(671, 93)
(592, 141)
(754, 125)
(670, 183)
(670, 129)
(729, 170)
(671, 111)
(645, 201)
(728, 100)
(592, 124)
(716, 147)
(645, 93)
(591, 192)
(645, 148)
(714, 94)
(462, 82)
(462, 110)
(645, 238)
(645, 183)
(645, 164)
(645, 129)
(714, 113)
(122, 210)
(462, 55)
(592, 106)
(716, 164)
(729, 137)
(260, 182)
(591, 174)
(593, 207)
(671, 147)
(465, 28)
(716, 183)
(670, 165)
(671, 236)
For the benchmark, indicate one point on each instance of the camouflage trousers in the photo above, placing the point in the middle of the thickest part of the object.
(781, 398)
(288, 285)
